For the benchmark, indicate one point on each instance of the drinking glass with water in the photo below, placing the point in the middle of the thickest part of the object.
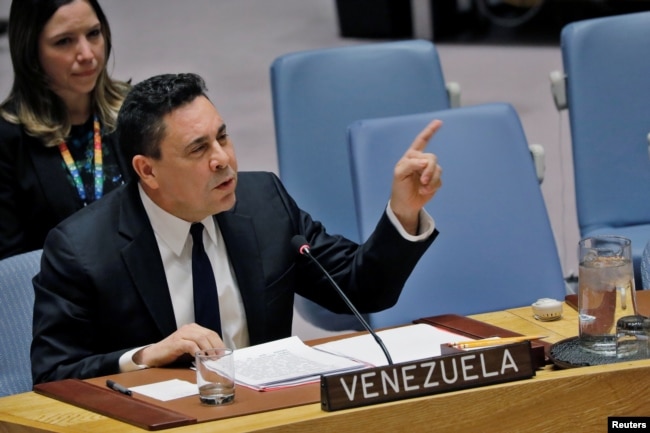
(606, 290)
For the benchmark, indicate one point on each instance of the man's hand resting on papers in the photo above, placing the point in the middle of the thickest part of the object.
(188, 339)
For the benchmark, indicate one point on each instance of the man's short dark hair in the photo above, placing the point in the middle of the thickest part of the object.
(140, 125)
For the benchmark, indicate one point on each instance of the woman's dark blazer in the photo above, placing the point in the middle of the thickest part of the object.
(35, 193)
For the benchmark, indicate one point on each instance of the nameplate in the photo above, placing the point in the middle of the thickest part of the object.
(468, 369)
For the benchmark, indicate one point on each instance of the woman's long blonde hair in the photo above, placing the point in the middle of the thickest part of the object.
(31, 103)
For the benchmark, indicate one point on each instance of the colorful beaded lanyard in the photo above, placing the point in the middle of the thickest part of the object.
(99, 169)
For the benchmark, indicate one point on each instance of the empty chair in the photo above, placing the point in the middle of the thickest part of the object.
(605, 88)
(316, 95)
(496, 248)
(16, 311)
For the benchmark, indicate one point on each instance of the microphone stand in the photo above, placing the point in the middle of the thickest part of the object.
(304, 250)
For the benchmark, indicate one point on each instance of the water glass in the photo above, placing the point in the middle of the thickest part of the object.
(215, 376)
(605, 290)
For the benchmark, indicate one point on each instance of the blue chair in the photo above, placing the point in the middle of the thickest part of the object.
(605, 88)
(16, 311)
(316, 95)
(496, 248)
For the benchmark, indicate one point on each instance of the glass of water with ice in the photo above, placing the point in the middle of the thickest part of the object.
(605, 290)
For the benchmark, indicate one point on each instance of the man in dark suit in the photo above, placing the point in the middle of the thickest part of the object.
(115, 288)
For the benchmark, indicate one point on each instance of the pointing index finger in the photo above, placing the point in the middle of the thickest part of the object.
(421, 141)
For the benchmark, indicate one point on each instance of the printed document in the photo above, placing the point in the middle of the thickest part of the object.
(286, 362)
(289, 361)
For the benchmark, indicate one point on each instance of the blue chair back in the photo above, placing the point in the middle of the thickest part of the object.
(607, 66)
(316, 95)
(495, 249)
(16, 312)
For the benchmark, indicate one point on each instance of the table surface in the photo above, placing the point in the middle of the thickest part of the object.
(554, 400)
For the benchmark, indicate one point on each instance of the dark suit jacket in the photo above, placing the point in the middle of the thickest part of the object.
(35, 194)
(102, 288)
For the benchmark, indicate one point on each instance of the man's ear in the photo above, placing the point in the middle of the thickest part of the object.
(145, 170)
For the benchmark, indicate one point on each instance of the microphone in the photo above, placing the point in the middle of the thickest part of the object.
(302, 246)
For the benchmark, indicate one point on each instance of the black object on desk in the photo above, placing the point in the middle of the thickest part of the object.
(117, 387)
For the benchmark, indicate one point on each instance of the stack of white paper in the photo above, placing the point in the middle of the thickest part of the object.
(286, 362)
(290, 362)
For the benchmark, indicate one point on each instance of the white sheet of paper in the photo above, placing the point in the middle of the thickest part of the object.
(167, 390)
(404, 344)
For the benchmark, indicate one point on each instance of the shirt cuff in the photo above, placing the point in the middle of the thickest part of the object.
(126, 361)
(425, 228)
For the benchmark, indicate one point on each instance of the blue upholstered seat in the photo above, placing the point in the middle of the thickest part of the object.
(496, 248)
(16, 311)
(607, 66)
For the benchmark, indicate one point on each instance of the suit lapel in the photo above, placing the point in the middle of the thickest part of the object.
(142, 259)
(243, 250)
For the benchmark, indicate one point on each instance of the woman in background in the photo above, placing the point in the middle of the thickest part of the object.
(56, 152)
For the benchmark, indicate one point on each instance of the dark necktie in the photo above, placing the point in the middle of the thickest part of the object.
(206, 299)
